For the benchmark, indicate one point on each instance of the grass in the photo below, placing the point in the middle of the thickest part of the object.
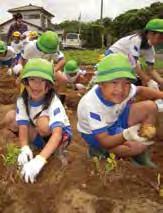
(12, 152)
(92, 57)
(83, 56)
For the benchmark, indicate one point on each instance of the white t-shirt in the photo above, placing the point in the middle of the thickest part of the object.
(55, 112)
(130, 45)
(18, 47)
(31, 51)
(11, 54)
(96, 114)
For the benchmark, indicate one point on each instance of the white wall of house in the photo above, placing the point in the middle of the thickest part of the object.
(32, 17)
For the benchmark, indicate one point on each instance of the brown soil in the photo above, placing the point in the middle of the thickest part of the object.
(78, 187)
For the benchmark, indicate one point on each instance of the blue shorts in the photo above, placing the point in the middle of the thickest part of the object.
(117, 127)
(6, 63)
(108, 52)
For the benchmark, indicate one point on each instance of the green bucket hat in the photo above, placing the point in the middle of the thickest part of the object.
(114, 66)
(38, 67)
(48, 42)
(155, 25)
(3, 47)
(71, 67)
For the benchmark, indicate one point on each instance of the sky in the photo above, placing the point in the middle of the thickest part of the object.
(71, 9)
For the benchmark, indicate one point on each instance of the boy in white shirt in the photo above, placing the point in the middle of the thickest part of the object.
(108, 120)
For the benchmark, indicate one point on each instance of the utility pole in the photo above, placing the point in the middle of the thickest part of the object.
(101, 14)
(101, 22)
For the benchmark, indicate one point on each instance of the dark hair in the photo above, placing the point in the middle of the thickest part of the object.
(18, 16)
(144, 40)
(47, 101)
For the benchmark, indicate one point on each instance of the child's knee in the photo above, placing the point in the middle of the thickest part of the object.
(10, 117)
(42, 126)
(151, 106)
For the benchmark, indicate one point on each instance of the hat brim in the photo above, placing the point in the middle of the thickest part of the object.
(113, 76)
(38, 74)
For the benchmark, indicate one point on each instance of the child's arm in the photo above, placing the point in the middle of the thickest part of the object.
(23, 135)
(129, 134)
(52, 144)
(149, 93)
(25, 151)
(156, 76)
(59, 65)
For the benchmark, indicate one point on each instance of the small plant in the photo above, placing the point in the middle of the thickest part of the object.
(11, 155)
(111, 163)
(103, 169)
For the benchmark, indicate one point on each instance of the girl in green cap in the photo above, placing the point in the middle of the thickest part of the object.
(142, 44)
(108, 119)
(40, 119)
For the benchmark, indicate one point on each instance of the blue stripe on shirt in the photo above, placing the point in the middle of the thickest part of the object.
(95, 116)
(22, 122)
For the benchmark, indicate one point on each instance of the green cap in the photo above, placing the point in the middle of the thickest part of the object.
(38, 67)
(48, 42)
(155, 25)
(114, 66)
(71, 67)
(3, 47)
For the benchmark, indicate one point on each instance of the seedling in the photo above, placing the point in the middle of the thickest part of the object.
(103, 169)
(11, 155)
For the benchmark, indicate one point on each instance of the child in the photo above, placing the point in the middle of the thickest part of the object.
(33, 35)
(40, 117)
(47, 47)
(143, 43)
(108, 120)
(7, 55)
(71, 75)
(17, 44)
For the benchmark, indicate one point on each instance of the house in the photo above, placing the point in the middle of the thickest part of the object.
(37, 18)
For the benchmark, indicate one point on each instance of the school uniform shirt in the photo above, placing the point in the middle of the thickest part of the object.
(11, 54)
(96, 115)
(55, 112)
(18, 47)
(31, 51)
(130, 45)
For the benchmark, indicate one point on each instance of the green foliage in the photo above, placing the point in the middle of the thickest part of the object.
(84, 56)
(109, 165)
(12, 152)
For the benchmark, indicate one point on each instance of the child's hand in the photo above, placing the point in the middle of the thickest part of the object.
(153, 84)
(32, 168)
(132, 134)
(25, 155)
(17, 69)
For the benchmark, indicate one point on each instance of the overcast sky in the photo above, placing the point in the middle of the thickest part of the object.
(71, 9)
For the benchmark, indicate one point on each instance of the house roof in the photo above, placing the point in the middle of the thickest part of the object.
(26, 22)
(29, 7)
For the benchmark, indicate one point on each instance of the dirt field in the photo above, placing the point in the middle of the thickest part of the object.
(78, 187)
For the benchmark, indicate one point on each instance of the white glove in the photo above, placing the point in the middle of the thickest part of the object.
(159, 103)
(25, 155)
(79, 86)
(131, 134)
(153, 84)
(82, 72)
(32, 168)
(17, 69)
(9, 72)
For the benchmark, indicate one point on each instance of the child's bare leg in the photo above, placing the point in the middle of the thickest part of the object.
(142, 112)
(10, 122)
(128, 149)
